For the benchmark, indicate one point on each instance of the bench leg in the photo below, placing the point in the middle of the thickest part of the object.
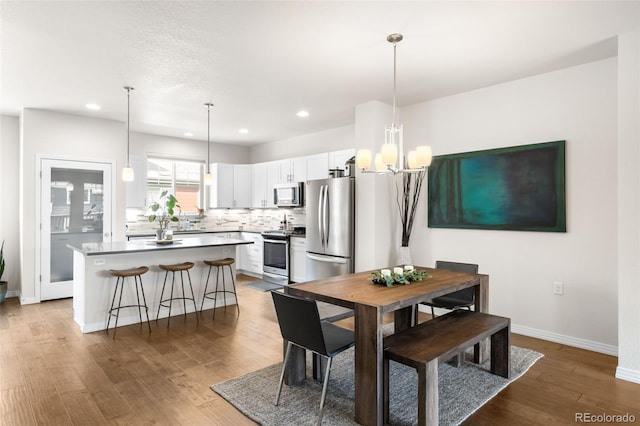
(428, 394)
(500, 349)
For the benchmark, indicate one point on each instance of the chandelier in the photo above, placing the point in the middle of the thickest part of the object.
(392, 149)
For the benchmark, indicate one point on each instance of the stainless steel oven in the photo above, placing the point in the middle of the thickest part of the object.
(276, 257)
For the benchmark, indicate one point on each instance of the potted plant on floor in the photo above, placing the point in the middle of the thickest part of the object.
(3, 284)
(164, 212)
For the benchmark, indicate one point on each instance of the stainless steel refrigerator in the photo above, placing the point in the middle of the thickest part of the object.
(330, 209)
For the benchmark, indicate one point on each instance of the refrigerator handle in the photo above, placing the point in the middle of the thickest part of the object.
(320, 218)
(326, 214)
(327, 259)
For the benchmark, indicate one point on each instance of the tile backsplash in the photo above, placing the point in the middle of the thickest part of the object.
(223, 219)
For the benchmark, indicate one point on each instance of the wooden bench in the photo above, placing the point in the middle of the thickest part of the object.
(425, 345)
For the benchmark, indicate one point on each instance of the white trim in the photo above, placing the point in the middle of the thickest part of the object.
(39, 158)
(628, 374)
(12, 293)
(566, 340)
(28, 300)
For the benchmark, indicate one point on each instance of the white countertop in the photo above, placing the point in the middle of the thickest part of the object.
(119, 247)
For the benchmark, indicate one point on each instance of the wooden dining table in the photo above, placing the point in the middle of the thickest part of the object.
(370, 302)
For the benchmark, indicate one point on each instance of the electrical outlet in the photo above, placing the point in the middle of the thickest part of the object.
(558, 288)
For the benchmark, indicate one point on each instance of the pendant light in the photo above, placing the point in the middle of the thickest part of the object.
(392, 149)
(208, 177)
(127, 172)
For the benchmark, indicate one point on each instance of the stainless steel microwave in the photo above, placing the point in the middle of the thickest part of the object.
(289, 194)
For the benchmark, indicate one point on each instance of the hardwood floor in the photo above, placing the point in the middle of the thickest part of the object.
(50, 373)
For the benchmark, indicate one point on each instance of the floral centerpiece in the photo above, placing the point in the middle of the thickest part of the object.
(398, 275)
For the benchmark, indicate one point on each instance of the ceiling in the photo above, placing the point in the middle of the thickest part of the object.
(261, 62)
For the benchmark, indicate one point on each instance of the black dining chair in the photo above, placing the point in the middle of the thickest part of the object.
(460, 299)
(300, 325)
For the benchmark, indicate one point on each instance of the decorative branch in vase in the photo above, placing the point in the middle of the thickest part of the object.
(407, 199)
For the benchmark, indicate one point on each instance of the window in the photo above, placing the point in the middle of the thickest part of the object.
(182, 178)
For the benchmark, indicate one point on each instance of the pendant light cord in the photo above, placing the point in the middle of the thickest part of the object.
(128, 89)
(395, 45)
(208, 105)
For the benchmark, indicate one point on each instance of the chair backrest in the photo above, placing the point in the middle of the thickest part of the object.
(471, 268)
(299, 321)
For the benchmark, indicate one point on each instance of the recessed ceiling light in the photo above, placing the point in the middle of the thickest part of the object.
(188, 134)
(93, 107)
(243, 131)
(302, 113)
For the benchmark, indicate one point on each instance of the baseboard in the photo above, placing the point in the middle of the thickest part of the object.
(27, 300)
(550, 336)
(12, 293)
(565, 340)
(628, 374)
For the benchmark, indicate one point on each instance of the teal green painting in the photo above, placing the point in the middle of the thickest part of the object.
(516, 188)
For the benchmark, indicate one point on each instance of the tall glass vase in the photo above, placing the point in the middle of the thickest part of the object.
(404, 256)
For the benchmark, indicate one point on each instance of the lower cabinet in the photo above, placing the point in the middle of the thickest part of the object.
(297, 260)
(251, 255)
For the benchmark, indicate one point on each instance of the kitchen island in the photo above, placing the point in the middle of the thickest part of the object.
(93, 285)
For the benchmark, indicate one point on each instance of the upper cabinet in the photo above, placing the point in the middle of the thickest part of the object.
(293, 170)
(243, 185)
(317, 166)
(221, 190)
(232, 186)
(265, 176)
(337, 159)
(137, 190)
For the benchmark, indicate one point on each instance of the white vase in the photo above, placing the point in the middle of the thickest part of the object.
(404, 256)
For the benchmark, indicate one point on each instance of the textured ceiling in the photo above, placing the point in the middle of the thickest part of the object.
(260, 62)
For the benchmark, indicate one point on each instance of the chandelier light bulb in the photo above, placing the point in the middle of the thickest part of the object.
(424, 156)
(389, 154)
(412, 160)
(363, 159)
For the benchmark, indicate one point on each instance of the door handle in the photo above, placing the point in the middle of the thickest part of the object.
(327, 259)
(107, 234)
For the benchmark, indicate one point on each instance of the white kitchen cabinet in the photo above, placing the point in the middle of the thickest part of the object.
(221, 190)
(251, 255)
(137, 190)
(297, 260)
(337, 159)
(265, 176)
(317, 166)
(293, 170)
(232, 186)
(242, 185)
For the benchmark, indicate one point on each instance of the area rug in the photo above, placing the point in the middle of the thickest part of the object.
(462, 391)
(263, 286)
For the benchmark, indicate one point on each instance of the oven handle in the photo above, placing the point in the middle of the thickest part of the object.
(275, 241)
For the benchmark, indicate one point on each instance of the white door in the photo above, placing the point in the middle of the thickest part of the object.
(75, 208)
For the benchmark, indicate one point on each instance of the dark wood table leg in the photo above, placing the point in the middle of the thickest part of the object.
(296, 370)
(403, 318)
(369, 402)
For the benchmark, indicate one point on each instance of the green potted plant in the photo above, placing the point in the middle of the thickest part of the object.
(3, 284)
(164, 212)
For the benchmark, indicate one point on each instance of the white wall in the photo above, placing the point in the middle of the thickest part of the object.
(313, 143)
(10, 196)
(629, 206)
(578, 105)
(143, 144)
